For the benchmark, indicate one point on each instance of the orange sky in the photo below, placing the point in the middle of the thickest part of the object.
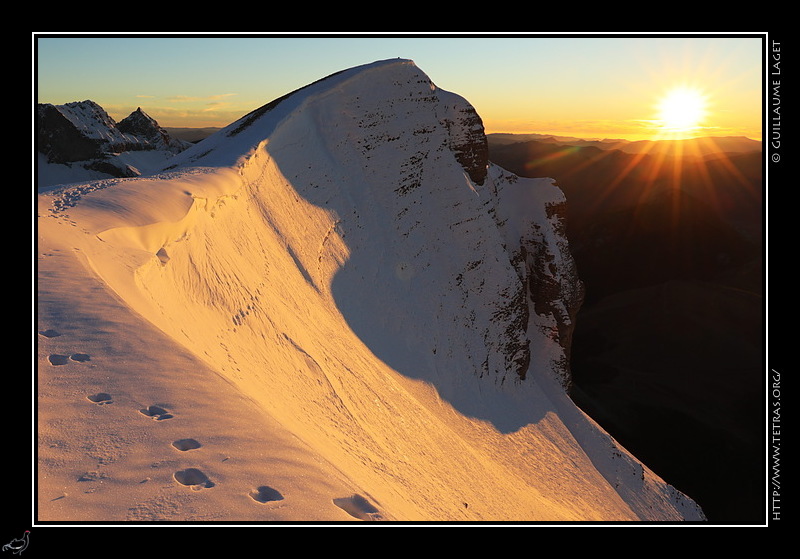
(595, 87)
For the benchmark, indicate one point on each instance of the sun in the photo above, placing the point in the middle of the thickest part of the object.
(681, 110)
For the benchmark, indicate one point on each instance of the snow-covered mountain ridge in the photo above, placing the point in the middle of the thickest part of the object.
(390, 155)
(79, 141)
(347, 260)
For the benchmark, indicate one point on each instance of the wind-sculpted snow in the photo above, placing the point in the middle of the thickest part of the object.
(348, 259)
(402, 167)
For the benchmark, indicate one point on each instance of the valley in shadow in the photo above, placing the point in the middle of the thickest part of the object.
(669, 345)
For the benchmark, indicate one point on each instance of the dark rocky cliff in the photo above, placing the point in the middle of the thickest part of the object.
(60, 140)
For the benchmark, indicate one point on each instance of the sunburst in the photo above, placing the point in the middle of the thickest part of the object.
(681, 110)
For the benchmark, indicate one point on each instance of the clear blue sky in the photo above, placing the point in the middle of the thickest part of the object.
(598, 86)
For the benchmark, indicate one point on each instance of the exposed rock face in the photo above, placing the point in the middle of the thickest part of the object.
(550, 284)
(148, 132)
(554, 287)
(468, 142)
(60, 140)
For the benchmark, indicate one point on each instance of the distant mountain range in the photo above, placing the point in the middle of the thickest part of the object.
(695, 146)
(668, 348)
(80, 141)
(598, 179)
(192, 135)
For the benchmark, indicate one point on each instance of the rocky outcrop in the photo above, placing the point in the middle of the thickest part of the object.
(553, 284)
(83, 134)
(60, 140)
(468, 142)
(550, 292)
(150, 135)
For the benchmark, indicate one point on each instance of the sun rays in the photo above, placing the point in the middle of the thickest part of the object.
(681, 111)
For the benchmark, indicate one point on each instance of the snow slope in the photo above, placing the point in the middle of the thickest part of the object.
(314, 315)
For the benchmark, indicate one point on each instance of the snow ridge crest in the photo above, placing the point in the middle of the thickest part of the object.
(403, 165)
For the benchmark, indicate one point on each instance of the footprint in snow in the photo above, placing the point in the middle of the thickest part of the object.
(156, 412)
(58, 359)
(265, 494)
(100, 398)
(49, 333)
(358, 507)
(186, 444)
(194, 478)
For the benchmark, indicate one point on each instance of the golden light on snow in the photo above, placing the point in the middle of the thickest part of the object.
(277, 346)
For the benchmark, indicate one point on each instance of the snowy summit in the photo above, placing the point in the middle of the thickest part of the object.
(79, 141)
(334, 309)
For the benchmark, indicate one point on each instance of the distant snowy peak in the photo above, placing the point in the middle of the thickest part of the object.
(83, 130)
(79, 141)
(91, 120)
(143, 127)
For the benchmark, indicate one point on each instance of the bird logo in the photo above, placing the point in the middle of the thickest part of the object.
(17, 545)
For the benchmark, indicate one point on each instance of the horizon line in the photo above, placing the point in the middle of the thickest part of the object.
(588, 138)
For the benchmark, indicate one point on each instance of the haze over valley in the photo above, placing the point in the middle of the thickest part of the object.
(668, 349)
